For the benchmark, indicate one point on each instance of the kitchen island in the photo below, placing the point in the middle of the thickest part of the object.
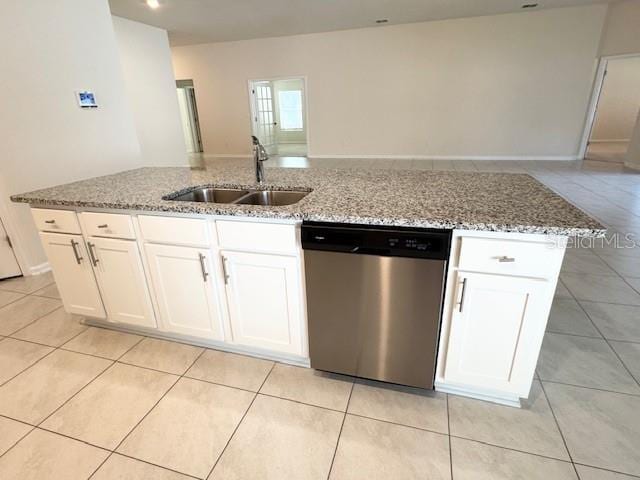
(231, 276)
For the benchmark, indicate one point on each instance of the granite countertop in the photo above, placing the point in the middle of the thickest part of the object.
(500, 202)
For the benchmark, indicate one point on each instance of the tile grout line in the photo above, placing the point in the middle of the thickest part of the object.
(449, 437)
(53, 349)
(344, 418)
(611, 348)
(179, 377)
(9, 335)
(555, 419)
(240, 422)
(617, 273)
(575, 299)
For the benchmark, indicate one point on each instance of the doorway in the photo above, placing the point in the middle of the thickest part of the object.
(189, 116)
(616, 109)
(279, 115)
(8, 264)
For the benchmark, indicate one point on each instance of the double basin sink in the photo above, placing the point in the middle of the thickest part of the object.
(239, 196)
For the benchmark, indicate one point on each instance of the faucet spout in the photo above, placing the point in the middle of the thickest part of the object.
(259, 156)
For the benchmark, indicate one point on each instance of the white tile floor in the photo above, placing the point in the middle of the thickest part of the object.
(78, 402)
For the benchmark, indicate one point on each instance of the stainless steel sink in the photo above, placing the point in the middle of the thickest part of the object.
(271, 197)
(238, 196)
(209, 195)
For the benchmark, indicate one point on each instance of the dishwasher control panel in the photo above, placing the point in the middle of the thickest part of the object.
(376, 240)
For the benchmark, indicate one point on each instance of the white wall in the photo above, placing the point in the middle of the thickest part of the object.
(619, 100)
(622, 29)
(151, 88)
(512, 85)
(52, 49)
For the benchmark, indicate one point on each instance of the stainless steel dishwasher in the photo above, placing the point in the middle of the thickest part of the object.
(374, 297)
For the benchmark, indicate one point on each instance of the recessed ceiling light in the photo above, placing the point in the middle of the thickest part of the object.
(382, 20)
(530, 5)
(153, 4)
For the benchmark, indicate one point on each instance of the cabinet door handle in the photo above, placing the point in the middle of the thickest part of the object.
(92, 254)
(505, 259)
(224, 270)
(104, 225)
(49, 221)
(74, 246)
(464, 288)
(202, 266)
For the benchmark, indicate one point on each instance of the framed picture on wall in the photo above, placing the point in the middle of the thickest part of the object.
(86, 99)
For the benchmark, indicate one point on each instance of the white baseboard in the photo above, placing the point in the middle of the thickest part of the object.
(512, 401)
(451, 157)
(201, 342)
(610, 140)
(633, 166)
(226, 155)
(44, 267)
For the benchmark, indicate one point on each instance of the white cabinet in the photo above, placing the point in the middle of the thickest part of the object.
(184, 286)
(120, 275)
(73, 273)
(264, 298)
(493, 341)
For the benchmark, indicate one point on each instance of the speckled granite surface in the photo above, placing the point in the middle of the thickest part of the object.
(463, 200)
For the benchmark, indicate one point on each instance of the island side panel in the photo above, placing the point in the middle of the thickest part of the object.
(504, 312)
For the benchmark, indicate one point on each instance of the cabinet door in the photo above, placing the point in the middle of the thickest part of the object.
(491, 315)
(185, 290)
(121, 279)
(263, 294)
(74, 277)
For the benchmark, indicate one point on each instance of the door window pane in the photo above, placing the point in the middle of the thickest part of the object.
(290, 107)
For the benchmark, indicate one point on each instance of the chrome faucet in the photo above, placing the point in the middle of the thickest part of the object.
(259, 156)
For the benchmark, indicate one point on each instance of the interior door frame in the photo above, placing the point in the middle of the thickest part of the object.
(9, 222)
(598, 84)
(305, 84)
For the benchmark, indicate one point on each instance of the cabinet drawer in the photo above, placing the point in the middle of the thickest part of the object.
(259, 237)
(111, 225)
(62, 221)
(177, 231)
(508, 257)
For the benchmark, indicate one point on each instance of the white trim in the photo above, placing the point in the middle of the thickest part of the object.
(598, 82)
(451, 157)
(227, 155)
(632, 166)
(44, 267)
(201, 342)
(502, 399)
(610, 140)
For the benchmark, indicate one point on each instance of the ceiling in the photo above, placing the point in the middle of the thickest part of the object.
(203, 21)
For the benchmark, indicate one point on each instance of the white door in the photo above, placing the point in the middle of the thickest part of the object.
(492, 314)
(184, 286)
(8, 264)
(121, 279)
(73, 274)
(263, 295)
(264, 122)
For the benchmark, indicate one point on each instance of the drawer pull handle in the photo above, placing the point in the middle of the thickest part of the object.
(464, 288)
(92, 254)
(104, 225)
(49, 221)
(74, 246)
(205, 274)
(505, 259)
